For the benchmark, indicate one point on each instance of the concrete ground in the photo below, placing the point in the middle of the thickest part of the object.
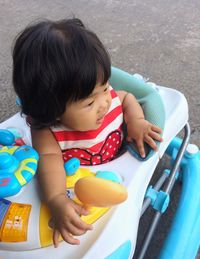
(159, 39)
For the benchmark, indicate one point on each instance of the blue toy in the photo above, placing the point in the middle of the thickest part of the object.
(17, 165)
(11, 136)
(7, 138)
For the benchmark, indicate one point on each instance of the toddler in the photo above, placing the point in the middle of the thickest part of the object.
(61, 74)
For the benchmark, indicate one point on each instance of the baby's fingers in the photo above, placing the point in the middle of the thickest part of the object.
(76, 231)
(140, 146)
(82, 211)
(78, 223)
(69, 238)
(155, 136)
(151, 142)
(56, 235)
(156, 128)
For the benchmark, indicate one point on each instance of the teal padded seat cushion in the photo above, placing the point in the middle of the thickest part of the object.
(148, 98)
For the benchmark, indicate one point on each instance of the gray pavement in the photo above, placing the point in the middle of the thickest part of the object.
(159, 39)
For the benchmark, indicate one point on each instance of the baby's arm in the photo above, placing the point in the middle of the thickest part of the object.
(52, 179)
(138, 129)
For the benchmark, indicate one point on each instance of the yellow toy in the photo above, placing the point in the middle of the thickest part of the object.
(97, 192)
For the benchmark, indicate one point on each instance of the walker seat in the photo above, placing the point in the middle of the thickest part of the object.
(114, 234)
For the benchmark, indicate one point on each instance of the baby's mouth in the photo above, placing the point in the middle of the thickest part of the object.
(100, 120)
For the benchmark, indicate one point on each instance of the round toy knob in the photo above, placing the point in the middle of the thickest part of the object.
(6, 138)
(108, 175)
(72, 166)
(7, 161)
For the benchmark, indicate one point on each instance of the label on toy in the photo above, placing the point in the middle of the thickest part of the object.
(14, 221)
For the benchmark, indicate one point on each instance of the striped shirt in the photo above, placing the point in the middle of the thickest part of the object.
(94, 146)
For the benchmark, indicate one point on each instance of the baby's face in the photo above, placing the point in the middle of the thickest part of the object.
(89, 113)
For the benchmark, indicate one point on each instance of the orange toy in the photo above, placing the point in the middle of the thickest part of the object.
(99, 192)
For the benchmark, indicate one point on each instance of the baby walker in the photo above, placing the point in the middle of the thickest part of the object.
(25, 230)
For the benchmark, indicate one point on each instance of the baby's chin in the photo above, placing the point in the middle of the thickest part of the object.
(95, 127)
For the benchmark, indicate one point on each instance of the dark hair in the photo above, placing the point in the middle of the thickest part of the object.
(55, 63)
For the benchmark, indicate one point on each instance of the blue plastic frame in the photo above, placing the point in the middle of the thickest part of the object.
(183, 240)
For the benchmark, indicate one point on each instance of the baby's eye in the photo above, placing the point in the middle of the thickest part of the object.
(106, 89)
(90, 104)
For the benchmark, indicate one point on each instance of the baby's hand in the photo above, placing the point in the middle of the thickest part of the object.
(67, 222)
(140, 130)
